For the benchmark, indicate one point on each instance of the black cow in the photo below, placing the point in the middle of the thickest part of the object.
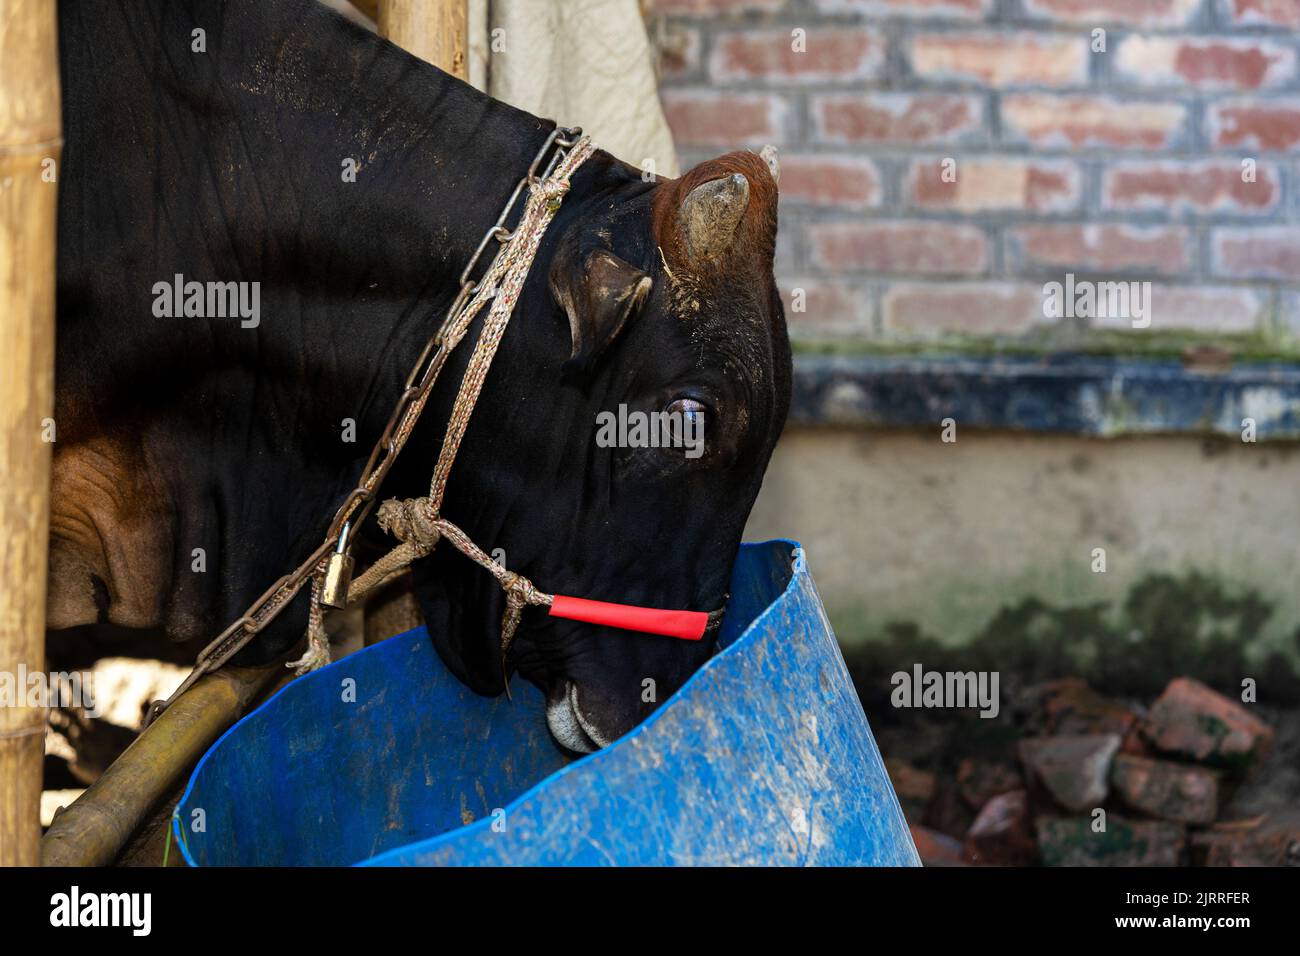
(220, 156)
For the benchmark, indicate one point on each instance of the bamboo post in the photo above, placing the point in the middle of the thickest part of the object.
(97, 825)
(369, 7)
(434, 30)
(392, 610)
(29, 136)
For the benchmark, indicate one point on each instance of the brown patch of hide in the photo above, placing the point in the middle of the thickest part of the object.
(109, 520)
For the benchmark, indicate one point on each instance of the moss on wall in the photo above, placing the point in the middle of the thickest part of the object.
(1240, 347)
(1166, 626)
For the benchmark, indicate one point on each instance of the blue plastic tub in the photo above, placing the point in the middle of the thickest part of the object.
(384, 758)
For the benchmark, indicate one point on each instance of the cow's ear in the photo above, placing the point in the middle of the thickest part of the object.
(598, 292)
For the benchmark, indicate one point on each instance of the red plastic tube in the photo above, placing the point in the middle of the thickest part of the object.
(687, 625)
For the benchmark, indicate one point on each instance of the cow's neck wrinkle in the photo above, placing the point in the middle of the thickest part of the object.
(436, 160)
(433, 159)
(379, 174)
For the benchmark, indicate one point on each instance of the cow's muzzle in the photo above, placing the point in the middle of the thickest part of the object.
(571, 728)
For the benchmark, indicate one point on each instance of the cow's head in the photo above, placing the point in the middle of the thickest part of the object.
(198, 460)
(662, 300)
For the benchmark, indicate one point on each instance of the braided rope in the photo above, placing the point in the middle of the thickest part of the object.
(417, 522)
(543, 203)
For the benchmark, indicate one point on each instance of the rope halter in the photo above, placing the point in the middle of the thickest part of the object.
(417, 523)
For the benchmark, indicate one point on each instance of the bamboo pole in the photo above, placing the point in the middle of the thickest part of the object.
(94, 828)
(369, 7)
(29, 136)
(392, 610)
(434, 30)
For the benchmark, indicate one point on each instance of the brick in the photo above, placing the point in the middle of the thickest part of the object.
(1080, 121)
(1199, 357)
(1272, 125)
(935, 848)
(1093, 13)
(948, 813)
(1271, 843)
(1074, 769)
(1133, 742)
(1093, 247)
(1122, 843)
(1003, 833)
(827, 56)
(1001, 59)
(915, 787)
(1269, 13)
(679, 53)
(1191, 721)
(817, 306)
(729, 120)
(714, 8)
(916, 310)
(926, 248)
(1270, 252)
(948, 9)
(979, 781)
(1214, 186)
(1205, 63)
(1198, 308)
(985, 184)
(1070, 706)
(1167, 790)
(1207, 308)
(847, 182)
(905, 118)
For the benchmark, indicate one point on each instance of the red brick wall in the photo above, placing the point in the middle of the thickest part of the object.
(1126, 163)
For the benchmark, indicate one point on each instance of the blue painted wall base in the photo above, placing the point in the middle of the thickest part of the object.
(383, 758)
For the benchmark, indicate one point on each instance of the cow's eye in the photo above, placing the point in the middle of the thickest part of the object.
(690, 410)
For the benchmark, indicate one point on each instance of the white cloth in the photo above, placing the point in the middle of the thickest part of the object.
(581, 63)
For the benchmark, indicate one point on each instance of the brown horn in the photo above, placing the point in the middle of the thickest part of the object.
(710, 214)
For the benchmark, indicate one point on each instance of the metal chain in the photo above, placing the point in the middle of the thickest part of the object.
(419, 384)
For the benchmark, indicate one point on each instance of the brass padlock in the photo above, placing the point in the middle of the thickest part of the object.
(338, 573)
